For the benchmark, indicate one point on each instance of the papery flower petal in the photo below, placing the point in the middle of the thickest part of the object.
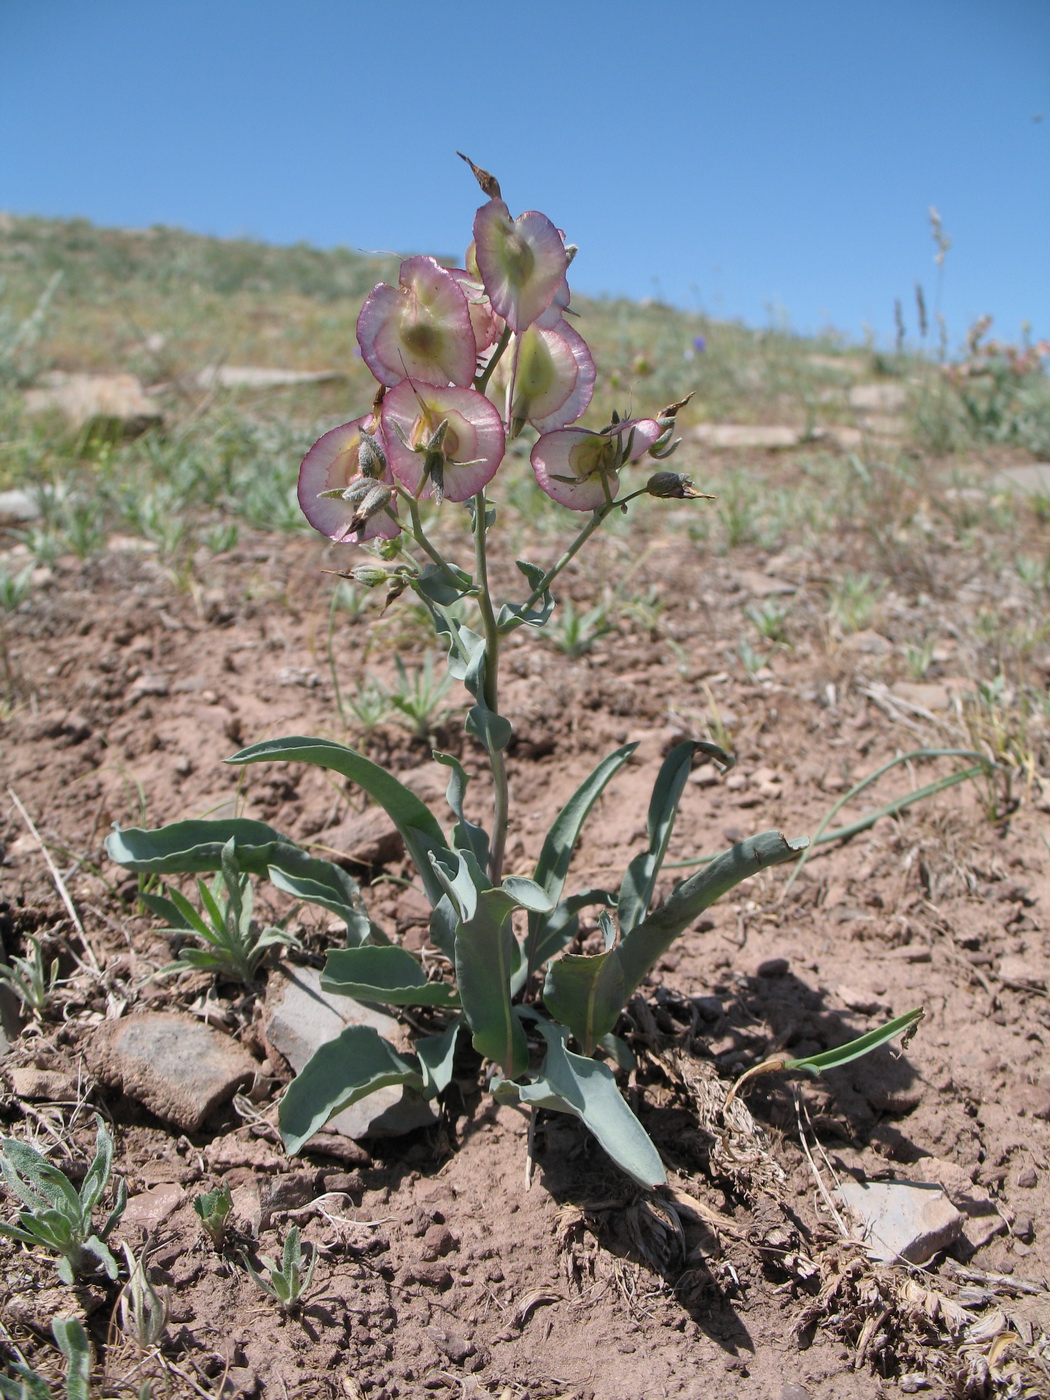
(331, 464)
(575, 466)
(419, 329)
(472, 447)
(583, 387)
(522, 261)
(484, 322)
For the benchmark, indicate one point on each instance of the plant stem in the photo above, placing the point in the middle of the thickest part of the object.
(482, 381)
(598, 518)
(497, 762)
(420, 537)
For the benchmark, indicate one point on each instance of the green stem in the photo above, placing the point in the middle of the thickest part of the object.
(482, 381)
(598, 518)
(419, 535)
(497, 761)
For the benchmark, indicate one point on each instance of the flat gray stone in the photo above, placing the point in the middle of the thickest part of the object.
(738, 435)
(257, 377)
(298, 1018)
(173, 1064)
(910, 1220)
(83, 398)
(1033, 480)
(878, 398)
(17, 506)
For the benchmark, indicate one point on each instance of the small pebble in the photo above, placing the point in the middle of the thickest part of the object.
(1028, 1177)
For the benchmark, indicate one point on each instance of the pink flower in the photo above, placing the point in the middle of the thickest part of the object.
(420, 329)
(522, 262)
(444, 443)
(579, 469)
(554, 374)
(345, 462)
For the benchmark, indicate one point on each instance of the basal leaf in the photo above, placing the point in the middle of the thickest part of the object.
(640, 949)
(356, 1063)
(586, 994)
(586, 1088)
(437, 1054)
(390, 975)
(414, 820)
(553, 864)
(636, 892)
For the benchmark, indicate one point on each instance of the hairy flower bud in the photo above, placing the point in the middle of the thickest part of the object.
(370, 575)
(371, 457)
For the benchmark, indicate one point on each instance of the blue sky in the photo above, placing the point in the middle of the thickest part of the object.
(753, 159)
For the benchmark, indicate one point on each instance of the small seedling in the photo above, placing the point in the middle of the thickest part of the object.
(417, 696)
(72, 1341)
(235, 945)
(31, 981)
(575, 634)
(770, 619)
(853, 601)
(212, 1209)
(905, 1026)
(143, 1310)
(15, 588)
(58, 1217)
(289, 1283)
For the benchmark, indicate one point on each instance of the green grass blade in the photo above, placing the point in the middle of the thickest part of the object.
(853, 1049)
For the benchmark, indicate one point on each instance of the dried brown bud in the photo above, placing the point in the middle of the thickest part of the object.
(672, 485)
(489, 184)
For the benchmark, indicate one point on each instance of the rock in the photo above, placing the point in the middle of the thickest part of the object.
(867, 643)
(878, 398)
(151, 1208)
(179, 1068)
(908, 1220)
(926, 696)
(257, 377)
(773, 967)
(364, 840)
(1031, 480)
(764, 585)
(737, 435)
(790, 1391)
(89, 398)
(1027, 1177)
(41, 1085)
(1016, 970)
(983, 1221)
(17, 506)
(866, 1003)
(298, 1018)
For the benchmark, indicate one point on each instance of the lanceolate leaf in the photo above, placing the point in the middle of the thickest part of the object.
(390, 975)
(562, 924)
(465, 833)
(651, 938)
(586, 1088)
(553, 864)
(586, 994)
(196, 846)
(356, 1063)
(437, 1054)
(640, 879)
(485, 960)
(414, 820)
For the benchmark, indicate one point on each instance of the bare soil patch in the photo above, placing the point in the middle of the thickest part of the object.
(441, 1272)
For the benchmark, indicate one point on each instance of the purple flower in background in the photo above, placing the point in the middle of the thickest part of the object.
(700, 344)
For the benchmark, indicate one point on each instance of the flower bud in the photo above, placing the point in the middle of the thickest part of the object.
(674, 486)
(371, 457)
(369, 575)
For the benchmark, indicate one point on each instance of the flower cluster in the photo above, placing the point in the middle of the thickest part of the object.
(465, 358)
